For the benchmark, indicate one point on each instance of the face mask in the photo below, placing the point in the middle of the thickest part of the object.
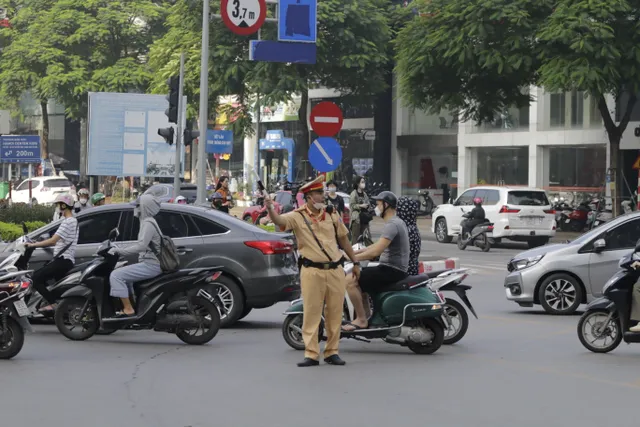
(136, 212)
(332, 190)
(362, 185)
(84, 201)
(318, 206)
(378, 211)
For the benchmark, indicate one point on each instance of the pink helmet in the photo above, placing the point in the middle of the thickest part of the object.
(66, 199)
(477, 201)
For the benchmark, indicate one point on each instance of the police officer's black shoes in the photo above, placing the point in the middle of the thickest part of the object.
(334, 360)
(308, 362)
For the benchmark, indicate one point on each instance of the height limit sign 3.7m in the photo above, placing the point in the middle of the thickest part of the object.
(243, 17)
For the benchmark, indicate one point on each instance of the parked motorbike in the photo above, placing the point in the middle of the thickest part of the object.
(426, 203)
(607, 319)
(164, 303)
(477, 237)
(577, 219)
(407, 314)
(14, 286)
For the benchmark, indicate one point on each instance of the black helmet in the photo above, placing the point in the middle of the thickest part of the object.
(388, 197)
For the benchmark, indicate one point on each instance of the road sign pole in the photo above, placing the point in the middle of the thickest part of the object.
(176, 175)
(204, 99)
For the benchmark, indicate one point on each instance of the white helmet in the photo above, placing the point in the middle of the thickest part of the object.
(181, 200)
(83, 196)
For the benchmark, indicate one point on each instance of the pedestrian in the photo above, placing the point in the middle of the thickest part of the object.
(334, 198)
(322, 277)
(223, 188)
(360, 209)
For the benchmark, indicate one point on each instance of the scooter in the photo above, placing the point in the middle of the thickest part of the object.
(14, 286)
(407, 314)
(163, 303)
(477, 237)
(607, 318)
(426, 203)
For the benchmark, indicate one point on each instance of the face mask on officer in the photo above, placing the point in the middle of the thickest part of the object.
(317, 199)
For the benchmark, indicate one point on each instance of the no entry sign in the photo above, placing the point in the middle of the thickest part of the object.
(326, 119)
(243, 17)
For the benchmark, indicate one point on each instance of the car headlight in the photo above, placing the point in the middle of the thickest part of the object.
(523, 263)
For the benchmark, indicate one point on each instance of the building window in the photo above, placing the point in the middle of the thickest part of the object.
(577, 167)
(577, 108)
(503, 166)
(557, 109)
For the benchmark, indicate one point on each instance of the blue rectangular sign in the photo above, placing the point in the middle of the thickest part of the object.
(20, 149)
(287, 52)
(219, 141)
(297, 20)
(123, 136)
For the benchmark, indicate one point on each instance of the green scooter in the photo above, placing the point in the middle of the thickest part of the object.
(407, 314)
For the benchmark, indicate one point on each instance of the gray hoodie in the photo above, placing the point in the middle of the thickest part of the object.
(149, 207)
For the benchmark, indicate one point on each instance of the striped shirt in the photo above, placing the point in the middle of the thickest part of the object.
(68, 232)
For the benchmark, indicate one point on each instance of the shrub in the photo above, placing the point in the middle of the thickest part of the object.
(270, 227)
(21, 212)
(10, 232)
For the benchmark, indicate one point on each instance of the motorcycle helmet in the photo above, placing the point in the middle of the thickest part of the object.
(477, 201)
(65, 200)
(181, 200)
(387, 197)
(97, 198)
(83, 196)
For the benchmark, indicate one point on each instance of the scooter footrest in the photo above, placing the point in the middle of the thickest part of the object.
(632, 337)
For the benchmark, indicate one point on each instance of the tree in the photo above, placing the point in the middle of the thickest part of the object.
(66, 48)
(352, 40)
(477, 57)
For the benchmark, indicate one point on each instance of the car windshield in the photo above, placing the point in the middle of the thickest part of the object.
(527, 198)
(57, 183)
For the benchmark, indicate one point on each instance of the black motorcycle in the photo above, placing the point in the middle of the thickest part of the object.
(172, 302)
(477, 237)
(607, 318)
(427, 205)
(15, 284)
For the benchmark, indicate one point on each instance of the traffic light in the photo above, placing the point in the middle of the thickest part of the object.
(167, 134)
(174, 88)
(189, 136)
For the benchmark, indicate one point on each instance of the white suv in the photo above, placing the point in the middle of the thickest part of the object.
(44, 189)
(520, 214)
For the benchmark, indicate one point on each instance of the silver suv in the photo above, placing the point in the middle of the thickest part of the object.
(560, 277)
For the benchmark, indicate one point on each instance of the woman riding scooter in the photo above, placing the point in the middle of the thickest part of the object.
(63, 259)
(475, 217)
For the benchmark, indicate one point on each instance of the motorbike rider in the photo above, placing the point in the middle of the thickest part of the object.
(181, 200)
(83, 201)
(475, 217)
(66, 235)
(392, 248)
(148, 266)
(98, 199)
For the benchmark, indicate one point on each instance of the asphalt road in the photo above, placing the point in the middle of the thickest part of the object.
(515, 367)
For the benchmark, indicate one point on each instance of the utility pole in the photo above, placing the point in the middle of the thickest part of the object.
(176, 176)
(204, 99)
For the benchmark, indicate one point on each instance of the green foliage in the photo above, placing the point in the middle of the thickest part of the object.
(66, 48)
(10, 232)
(270, 227)
(20, 212)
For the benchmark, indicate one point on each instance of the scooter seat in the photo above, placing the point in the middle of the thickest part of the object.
(411, 281)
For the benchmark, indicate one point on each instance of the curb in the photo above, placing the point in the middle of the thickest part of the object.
(446, 264)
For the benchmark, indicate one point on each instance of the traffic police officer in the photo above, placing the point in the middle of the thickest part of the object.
(322, 277)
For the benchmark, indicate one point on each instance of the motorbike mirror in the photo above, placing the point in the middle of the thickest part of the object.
(600, 244)
(44, 237)
(113, 234)
(25, 230)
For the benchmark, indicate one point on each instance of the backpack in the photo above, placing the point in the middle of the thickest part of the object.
(168, 254)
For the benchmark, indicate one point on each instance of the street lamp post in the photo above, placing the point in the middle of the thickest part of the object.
(204, 95)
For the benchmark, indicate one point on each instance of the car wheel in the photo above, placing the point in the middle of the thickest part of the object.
(232, 298)
(560, 294)
(442, 231)
(540, 241)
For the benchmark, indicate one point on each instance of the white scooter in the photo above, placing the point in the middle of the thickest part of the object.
(455, 317)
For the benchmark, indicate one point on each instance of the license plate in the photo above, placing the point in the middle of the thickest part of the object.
(532, 220)
(21, 308)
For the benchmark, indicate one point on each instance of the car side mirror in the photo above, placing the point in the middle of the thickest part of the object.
(600, 244)
(113, 234)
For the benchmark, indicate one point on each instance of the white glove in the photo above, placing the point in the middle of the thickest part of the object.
(113, 251)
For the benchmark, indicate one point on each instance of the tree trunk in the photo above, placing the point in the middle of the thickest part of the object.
(44, 142)
(302, 146)
(616, 174)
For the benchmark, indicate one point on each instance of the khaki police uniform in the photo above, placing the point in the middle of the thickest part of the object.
(321, 288)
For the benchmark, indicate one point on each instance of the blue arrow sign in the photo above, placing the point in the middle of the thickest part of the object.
(297, 20)
(325, 154)
(219, 141)
(20, 149)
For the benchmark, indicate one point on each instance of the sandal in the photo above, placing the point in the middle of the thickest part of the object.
(356, 327)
